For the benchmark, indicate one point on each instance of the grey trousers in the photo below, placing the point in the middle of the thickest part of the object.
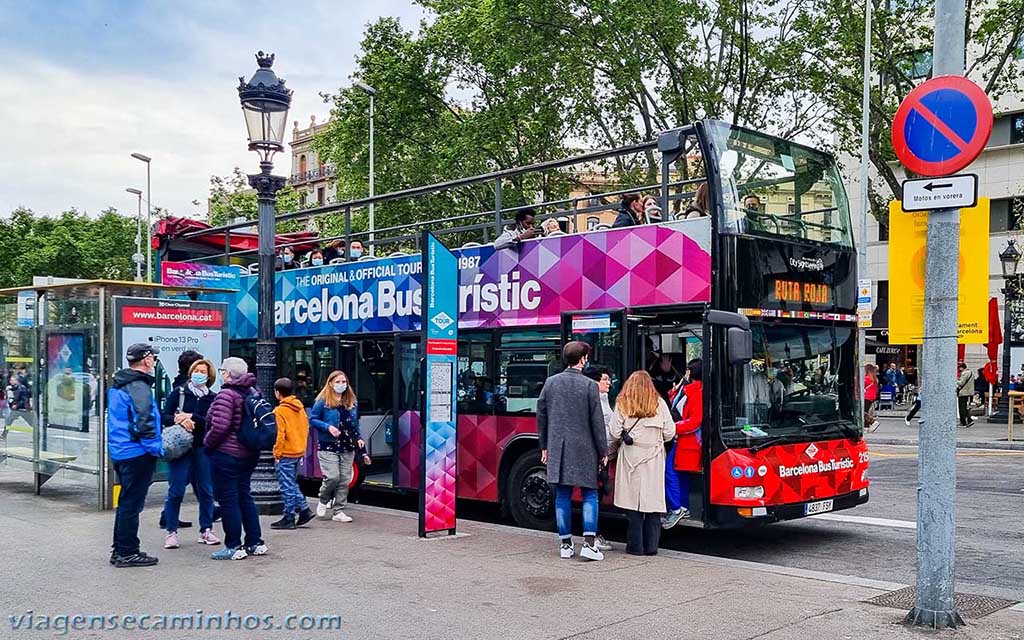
(337, 470)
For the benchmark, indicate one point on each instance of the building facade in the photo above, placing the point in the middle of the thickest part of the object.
(312, 178)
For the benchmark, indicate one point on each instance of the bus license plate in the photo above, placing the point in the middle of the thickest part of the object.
(822, 506)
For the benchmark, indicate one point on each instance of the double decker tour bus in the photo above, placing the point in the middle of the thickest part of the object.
(762, 289)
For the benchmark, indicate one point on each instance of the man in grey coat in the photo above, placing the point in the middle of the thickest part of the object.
(570, 426)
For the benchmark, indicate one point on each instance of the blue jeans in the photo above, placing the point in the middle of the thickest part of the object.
(192, 468)
(563, 510)
(677, 484)
(135, 476)
(232, 478)
(287, 470)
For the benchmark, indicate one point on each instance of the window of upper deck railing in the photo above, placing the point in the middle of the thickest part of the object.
(772, 186)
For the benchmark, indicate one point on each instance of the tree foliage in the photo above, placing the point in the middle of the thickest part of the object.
(494, 84)
(71, 245)
(231, 197)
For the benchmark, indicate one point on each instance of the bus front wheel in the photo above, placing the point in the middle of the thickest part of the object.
(530, 499)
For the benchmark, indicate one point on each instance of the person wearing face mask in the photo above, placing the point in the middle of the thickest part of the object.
(232, 464)
(134, 445)
(335, 416)
(187, 406)
(356, 250)
(523, 229)
(573, 444)
(316, 258)
(287, 259)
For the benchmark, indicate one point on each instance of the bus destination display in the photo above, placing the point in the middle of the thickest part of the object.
(802, 292)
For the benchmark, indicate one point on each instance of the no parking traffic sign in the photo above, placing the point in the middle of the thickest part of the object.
(942, 126)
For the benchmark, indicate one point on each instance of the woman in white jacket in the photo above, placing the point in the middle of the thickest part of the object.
(641, 425)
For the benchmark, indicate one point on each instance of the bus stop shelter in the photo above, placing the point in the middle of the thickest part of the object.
(60, 345)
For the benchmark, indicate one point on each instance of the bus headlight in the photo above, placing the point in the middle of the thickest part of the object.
(748, 493)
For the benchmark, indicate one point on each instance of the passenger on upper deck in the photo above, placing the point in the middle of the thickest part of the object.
(316, 258)
(752, 202)
(631, 212)
(652, 209)
(334, 249)
(700, 205)
(551, 227)
(356, 250)
(522, 230)
(287, 259)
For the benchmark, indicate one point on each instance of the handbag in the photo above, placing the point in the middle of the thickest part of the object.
(177, 439)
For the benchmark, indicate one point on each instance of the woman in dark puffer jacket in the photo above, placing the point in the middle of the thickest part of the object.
(232, 464)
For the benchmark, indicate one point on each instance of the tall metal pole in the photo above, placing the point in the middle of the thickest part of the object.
(149, 225)
(372, 246)
(264, 482)
(137, 258)
(936, 484)
(865, 177)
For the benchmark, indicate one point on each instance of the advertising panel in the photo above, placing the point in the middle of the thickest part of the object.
(907, 254)
(527, 285)
(69, 387)
(173, 326)
(438, 444)
(199, 274)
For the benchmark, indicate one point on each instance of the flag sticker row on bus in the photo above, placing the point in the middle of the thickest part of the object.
(951, 192)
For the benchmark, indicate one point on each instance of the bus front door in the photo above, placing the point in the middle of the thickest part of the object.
(612, 338)
(332, 354)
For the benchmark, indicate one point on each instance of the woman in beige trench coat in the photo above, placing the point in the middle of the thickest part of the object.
(641, 425)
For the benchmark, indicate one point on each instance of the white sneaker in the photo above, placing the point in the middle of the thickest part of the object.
(591, 552)
(566, 551)
(602, 544)
(907, 420)
(341, 517)
(321, 510)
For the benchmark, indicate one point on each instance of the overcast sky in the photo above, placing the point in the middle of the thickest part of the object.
(88, 82)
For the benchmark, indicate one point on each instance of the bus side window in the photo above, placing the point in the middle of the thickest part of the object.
(525, 360)
(475, 379)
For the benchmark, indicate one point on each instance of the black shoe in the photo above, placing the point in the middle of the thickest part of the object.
(182, 524)
(216, 514)
(287, 522)
(139, 559)
(305, 517)
(113, 557)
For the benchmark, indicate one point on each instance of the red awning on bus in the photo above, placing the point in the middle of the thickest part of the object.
(171, 228)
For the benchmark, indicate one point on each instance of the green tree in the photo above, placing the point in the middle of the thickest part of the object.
(71, 245)
(902, 34)
(231, 197)
(493, 84)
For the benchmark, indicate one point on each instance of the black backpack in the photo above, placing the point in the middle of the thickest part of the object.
(258, 431)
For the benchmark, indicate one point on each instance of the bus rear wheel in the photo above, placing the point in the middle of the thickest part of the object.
(529, 497)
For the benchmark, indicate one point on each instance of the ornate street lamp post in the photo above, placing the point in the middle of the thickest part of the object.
(1009, 260)
(265, 101)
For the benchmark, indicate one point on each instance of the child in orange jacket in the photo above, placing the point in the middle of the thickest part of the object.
(292, 433)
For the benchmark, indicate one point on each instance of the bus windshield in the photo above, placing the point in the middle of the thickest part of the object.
(800, 383)
(771, 186)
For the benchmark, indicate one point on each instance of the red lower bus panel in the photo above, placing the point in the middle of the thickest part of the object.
(790, 473)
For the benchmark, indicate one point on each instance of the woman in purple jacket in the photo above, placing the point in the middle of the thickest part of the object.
(231, 464)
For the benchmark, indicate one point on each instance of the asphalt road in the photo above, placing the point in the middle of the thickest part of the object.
(990, 526)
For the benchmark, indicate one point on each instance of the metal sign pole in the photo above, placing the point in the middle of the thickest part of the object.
(936, 489)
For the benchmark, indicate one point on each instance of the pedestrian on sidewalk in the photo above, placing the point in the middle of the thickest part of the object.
(185, 361)
(573, 445)
(292, 434)
(335, 416)
(685, 456)
(134, 444)
(870, 397)
(914, 409)
(641, 424)
(964, 391)
(232, 463)
(187, 405)
(603, 377)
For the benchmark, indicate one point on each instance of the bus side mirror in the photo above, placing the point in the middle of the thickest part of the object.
(739, 345)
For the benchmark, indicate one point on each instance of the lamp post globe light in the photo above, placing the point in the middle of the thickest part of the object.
(1009, 261)
(265, 101)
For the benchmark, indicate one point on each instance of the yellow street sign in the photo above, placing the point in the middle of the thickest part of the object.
(907, 252)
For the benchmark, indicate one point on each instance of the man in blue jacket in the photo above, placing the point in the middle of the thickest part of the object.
(134, 444)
